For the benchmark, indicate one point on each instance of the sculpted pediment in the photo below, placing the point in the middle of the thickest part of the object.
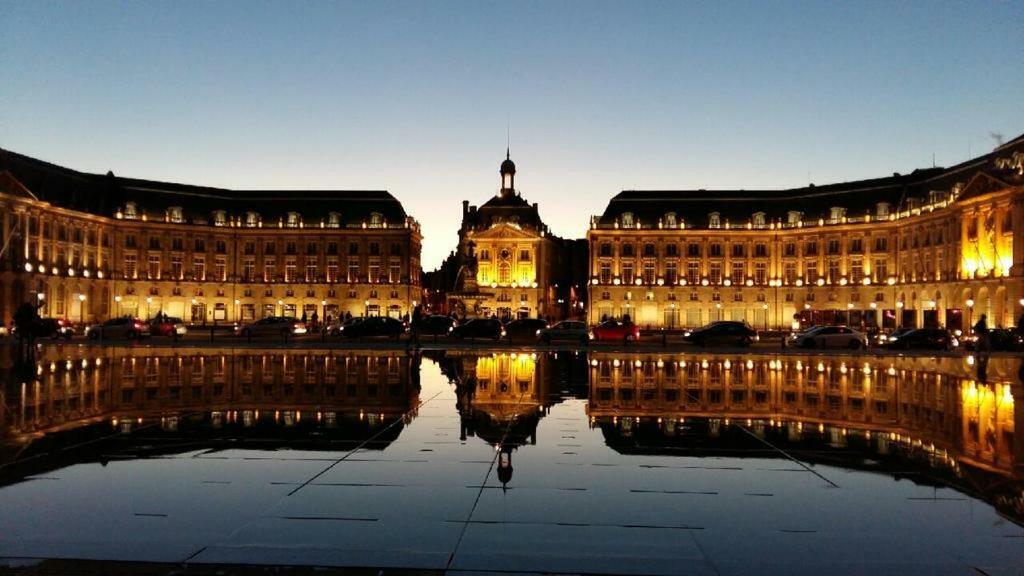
(982, 184)
(506, 231)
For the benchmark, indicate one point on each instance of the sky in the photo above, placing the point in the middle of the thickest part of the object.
(420, 98)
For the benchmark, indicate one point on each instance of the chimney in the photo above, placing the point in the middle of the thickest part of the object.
(465, 207)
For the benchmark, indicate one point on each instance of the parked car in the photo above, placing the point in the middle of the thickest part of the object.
(368, 327)
(571, 330)
(882, 338)
(926, 338)
(999, 340)
(54, 328)
(167, 326)
(272, 326)
(725, 333)
(525, 329)
(831, 337)
(437, 325)
(616, 331)
(123, 327)
(479, 328)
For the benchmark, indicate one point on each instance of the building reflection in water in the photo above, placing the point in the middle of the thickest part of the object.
(327, 399)
(931, 419)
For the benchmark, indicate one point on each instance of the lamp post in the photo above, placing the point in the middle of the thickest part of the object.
(81, 309)
(970, 314)
(891, 281)
(117, 300)
(765, 308)
(323, 311)
(366, 307)
(149, 300)
(237, 310)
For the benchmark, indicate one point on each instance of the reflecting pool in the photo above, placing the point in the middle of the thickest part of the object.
(464, 461)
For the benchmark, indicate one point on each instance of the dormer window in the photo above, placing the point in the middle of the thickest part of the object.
(670, 220)
(627, 220)
(759, 219)
(292, 220)
(714, 220)
(131, 211)
(794, 217)
(882, 210)
(837, 214)
(376, 220)
(175, 215)
(913, 203)
(252, 219)
(936, 196)
(334, 220)
(220, 218)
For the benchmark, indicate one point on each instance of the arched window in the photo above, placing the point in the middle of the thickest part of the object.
(252, 219)
(759, 219)
(334, 220)
(882, 210)
(131, 211)
(714, 220)
(220, 218)
(504, 273)
(627, 220)
(292, 220)
(376, 220)
(670, 220)
(794, 217)
(837, 214)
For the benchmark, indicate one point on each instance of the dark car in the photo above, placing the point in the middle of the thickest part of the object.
(926, 338)
(616, 331)
(999, 340)
(369, 327)
(437, 325)
(124, 327)
(54, 328)
(479, 328)
(525, 329)
(725, 333)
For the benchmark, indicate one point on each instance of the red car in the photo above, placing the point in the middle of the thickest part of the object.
(167, 326)
(616, 330)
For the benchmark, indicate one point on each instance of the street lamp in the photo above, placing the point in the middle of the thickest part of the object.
(237, 314)
(81, 308)
(323, 310)
(970, 314)
(117, 300)
(149, 300)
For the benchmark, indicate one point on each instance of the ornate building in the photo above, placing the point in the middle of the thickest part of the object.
(92, 246)
(934, 247)
(508, 263)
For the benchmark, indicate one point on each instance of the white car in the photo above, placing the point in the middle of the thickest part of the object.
(831, 337)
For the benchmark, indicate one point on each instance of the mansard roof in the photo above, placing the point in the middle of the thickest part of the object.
(858, 197)
(105, 194)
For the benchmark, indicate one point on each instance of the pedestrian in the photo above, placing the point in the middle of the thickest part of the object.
(415, 326)
(304, 317)
(981, 331)
(315, 317)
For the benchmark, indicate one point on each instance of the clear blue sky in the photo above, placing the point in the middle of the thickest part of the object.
(415, 97)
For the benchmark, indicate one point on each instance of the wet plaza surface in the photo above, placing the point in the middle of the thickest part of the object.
(467, 461)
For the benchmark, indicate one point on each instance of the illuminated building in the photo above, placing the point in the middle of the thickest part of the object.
(934, 247)
(92, 246)
(508, 264)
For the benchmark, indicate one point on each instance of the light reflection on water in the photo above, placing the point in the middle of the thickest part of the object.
(935, 421)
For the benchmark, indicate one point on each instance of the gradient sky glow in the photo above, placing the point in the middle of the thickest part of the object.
(415, 97)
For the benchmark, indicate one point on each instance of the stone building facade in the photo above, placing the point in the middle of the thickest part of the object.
(92, 246)
(937, 247)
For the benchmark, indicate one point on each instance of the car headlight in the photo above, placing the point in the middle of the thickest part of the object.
(687, 334)
(893, 338)
(538, 332)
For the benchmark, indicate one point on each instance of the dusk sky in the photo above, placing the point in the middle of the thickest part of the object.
(416, 97)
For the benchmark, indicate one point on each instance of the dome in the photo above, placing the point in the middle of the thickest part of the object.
(508, 166)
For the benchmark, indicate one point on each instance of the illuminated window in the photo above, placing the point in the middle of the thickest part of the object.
(627, 220)
(504, 273)
(131, 211)
(333, 220)
(220, 218)
(252, 219)
(175, 215)
(292, 220)
(670, 220)
(759, 219)
(714, 220)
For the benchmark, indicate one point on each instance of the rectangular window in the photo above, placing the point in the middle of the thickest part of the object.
(221, 270)
(790, 249)
(353, 270)
(693, 250)
(249, 269)
(606, 273)
(856, 271)
(739, 250)
(269, 269)
(671, 272)
(739, 272)
(789, 272)
(176, 267)
(881, 270)
(811, 270)
(715, 273)
(394, 272)
(716, 249)
(648, 272)
(154, 267)
(627, 273)
(289, 270)
(332, 269)
(761, 273)
(760, 250)
(129, 266)
(524, 255)
(692, 271)
(199, 268)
